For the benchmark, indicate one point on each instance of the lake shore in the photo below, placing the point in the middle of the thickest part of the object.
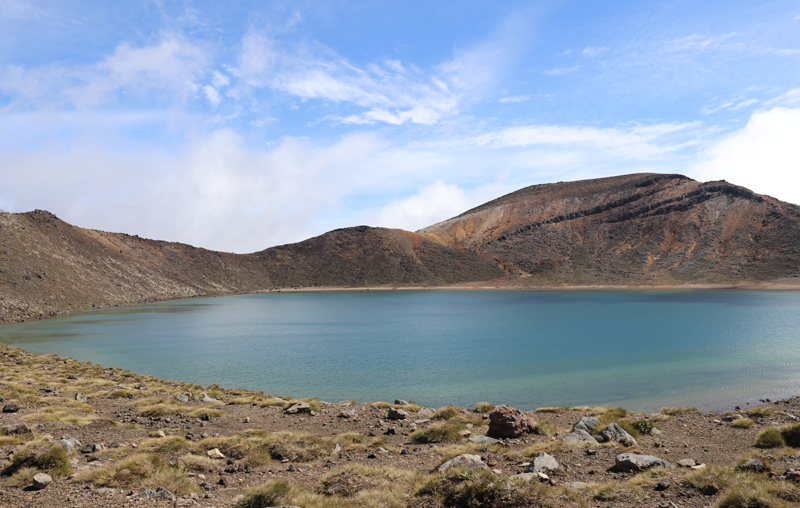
(345, 453)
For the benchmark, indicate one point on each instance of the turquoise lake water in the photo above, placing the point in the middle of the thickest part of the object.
(639, 349)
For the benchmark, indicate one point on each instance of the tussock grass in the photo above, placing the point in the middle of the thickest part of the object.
(464, 488)
(760, 411)
(410, 407)
(446, 413)
(770, 438)
(743, 423)
(440, 432)
(22, 477)
(271, 493)
(791, 434)
(544, 428)
(201, 463)
(212, 413)
(352, 480)
(552, 409)
(484, 407)
(40, 455)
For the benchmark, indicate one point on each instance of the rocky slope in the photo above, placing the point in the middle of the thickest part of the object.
(633, 229)
(643, 229)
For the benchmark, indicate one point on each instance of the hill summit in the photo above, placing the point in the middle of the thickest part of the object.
(640, 229)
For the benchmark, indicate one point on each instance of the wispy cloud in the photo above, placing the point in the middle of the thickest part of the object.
(514, 98)
(560, 71)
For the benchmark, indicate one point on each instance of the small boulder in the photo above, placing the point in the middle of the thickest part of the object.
(41, 480)
(466, 460)
(215, 454)
(481, 439)
(300, 407)
(687, 463)
(81, 397)
(543, 463)
(396, 414)
(11, 407)
(426, 411)
(506, 421)
(14, 428)
(616, 434)
(580, 436)
(635, 462)
(586, 424)
(400, 402)
(182, 397)
(753, 465)
(70, 443)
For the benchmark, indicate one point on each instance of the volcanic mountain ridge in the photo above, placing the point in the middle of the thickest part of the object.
(640, 229)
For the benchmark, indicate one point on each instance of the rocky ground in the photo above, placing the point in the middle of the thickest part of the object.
(78, 435)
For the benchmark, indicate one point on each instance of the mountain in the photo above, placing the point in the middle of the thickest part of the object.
(642, 229)
(633, 229)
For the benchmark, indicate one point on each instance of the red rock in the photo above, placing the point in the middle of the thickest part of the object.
(506, 421)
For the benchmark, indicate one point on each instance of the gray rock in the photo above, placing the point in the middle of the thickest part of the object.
(580, 436)
(105, 491)
(616, 434)
(687, 463)
(40, 481)
(159, 493)
(14, 428)
(401, 402)
(182, 397)
(656, 432)
(206, 398)
(480, 438)
(526, 477)
(350, 413)
(586, 424)
(466, 460)
(396, 414)
(70, 443)
(81, 397)
(426, 411)
(506, 421)
(634, 462)
(543, 463)
(300, 407)
(11, 407)
(577, 485)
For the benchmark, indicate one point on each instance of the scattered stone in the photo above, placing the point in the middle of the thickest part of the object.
(634, 462)
(527, 477)
(577, 485)
(215, 454)
(506, 421)
(663, 484)
(87, 448)
(72, 376)
(14, 428)
(710, 490)
(464, 433)
(591, 451)
(467, 460)
(206, 398)
(41, 480)
(69, 443)
(580, 436)
(81, 397)
(182, 397)
(401, 402)
(616, 434)
(542, 463)
(159, 493)
(349, 413)
(426, 411)
(396, 414)
(792, 475)
(11, 407)
(481, 439)
(160, 433)
(586, 424)
(656, 432)
(184, 503)
(105, 491)
(300, 407)
(687, 463)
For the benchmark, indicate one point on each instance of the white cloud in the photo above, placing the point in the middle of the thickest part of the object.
(212, 95)
(764, 156)
(592, 52)
(560, 71)
(220, 80)
(514, 98)
(431, 204)
(172, 65)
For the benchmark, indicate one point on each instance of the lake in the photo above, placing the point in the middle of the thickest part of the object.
(641, 349)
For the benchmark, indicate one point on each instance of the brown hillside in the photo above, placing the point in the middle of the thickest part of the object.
(633, 229)
(48, 266)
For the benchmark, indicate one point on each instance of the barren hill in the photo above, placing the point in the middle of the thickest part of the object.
(633, 229)
(636, 229)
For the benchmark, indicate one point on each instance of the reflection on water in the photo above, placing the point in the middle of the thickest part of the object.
(639, 349)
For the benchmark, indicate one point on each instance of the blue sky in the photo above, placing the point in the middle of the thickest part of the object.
(241, 125)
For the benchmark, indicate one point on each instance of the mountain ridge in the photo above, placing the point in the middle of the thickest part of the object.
(642, 229)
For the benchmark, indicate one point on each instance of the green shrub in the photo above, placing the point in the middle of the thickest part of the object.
(770, 438)
(446, 413)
